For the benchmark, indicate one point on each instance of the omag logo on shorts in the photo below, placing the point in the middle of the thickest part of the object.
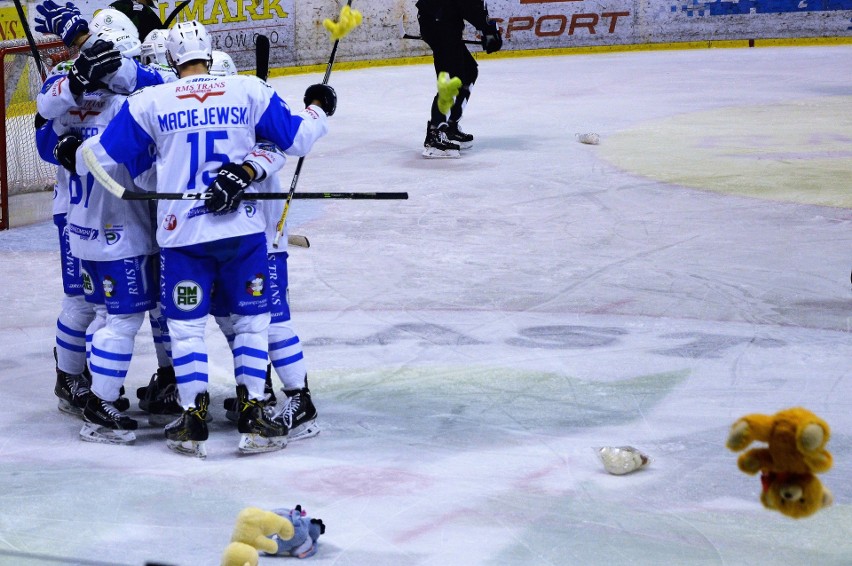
(186, 295)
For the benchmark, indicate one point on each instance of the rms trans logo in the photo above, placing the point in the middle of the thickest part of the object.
(201, 91)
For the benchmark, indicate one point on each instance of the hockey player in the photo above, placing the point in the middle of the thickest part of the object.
(68, 24)
(198, 126)
(297, 411)
(143, 14)
(114, 240)
(441, 26)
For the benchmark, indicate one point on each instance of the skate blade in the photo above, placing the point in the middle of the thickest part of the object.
(69, 409)
(465, 145)
(432, 153)
(256, 443)
(304, 430)
(195, 448)
(103, 435)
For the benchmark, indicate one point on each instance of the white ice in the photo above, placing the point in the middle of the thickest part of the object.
(469, 348)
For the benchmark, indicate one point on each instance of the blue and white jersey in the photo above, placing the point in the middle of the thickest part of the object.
(102, 227)
(56, 98)
(270, 160)
(199, 124)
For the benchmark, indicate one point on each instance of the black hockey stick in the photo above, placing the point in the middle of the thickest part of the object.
(180, 6)
(405, 35)
(130, 195)
(280, 226)
(30, 39)
(261, 53)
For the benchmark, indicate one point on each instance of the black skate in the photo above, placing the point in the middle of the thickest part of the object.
(298, 413)
(232, 410)
(106, 424)
(437, 145)
(258, 432)
(72, 390)
(454, 134)
(160, 397)
(187, 433)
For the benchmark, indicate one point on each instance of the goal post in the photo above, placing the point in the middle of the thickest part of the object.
(21, 169)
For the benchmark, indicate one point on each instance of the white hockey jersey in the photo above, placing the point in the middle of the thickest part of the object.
(199, 124)
(101, 226)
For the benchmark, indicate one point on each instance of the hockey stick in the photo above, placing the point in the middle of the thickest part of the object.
(280, 227)
(113, 186)
(30, 39)
(404, 35)
(180, 6)
(261, 53)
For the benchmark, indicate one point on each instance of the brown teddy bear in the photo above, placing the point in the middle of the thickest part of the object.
(795, 451)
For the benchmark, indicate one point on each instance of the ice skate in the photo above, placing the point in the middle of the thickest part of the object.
(160, 397)
(187, 434)
(298, 414)
(232, 410)
(106, 424)
(437, 145)
(456, 135)
(257, 432)
(72, 390)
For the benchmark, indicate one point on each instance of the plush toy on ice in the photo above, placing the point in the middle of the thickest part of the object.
(794, 452)
(283, 532)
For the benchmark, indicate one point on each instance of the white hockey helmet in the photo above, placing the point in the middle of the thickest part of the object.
(112, 19)
(124, 41)
(154, 48)
(188, 41)
(223, 65)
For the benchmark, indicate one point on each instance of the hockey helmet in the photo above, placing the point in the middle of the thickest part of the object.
(113, 19)
(124, 41)
(188, 41)
(223, 65)
(154, 48)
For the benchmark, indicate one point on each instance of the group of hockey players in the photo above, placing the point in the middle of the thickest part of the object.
(160, 114)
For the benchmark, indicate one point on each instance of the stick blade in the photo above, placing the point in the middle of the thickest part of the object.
(262, 48)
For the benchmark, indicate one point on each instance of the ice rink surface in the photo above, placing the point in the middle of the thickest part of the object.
(469, 348)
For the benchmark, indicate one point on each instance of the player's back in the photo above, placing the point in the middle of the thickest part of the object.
(199, 124)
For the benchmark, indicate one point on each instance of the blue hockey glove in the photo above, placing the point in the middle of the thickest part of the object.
(492, 41)
(227, 188)
(306, 533)
(64, 21)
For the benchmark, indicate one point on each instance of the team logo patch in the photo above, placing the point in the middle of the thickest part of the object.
(112, 233)
(88, 285)
(186, 295)
(169, 222)
(251, 210)
(255, 286)
(109, 286)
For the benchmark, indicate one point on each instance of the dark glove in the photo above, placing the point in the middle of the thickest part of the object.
(92, 65)
(492, 41)
(227, 188)
(65, 151)
(325, 95)
(64, 21)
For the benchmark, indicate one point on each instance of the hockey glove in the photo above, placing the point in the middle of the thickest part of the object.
(65, 151)
(92, 65)
(491, 39)
(64, 21)
(227, 189)
(306, 533)
(324, 95)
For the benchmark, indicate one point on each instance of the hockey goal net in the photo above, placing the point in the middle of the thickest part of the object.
(22, 170)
